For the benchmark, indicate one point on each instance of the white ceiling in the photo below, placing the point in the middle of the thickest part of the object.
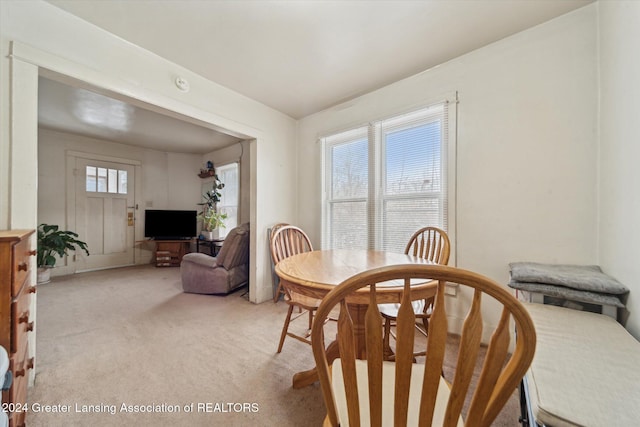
(302, 56)
(84, 112)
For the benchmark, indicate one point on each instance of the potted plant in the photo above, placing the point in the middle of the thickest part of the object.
(211, 218)
(53, 241)
(211, 221)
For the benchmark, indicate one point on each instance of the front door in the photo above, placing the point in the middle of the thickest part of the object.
(105, 213)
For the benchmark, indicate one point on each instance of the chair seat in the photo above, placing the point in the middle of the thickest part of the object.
(306, 302)
(388, 376)
(390, 311)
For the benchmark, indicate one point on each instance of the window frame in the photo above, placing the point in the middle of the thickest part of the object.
(114, 183)
(377, 195)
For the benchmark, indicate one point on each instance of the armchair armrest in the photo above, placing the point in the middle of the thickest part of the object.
(202, 259)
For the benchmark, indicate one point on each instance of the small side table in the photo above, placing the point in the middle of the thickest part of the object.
(213, 245)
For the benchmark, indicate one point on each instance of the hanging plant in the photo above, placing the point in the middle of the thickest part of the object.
(212, 196)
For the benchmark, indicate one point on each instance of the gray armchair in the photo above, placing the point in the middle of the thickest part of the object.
(203, 274)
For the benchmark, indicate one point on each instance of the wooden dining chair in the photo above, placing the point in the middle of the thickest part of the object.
(430, 243)
(288, 240)
(279, 292)
(374, 392)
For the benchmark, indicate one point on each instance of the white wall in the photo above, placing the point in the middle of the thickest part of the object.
(183, 181)
(527, 145)
(51, 38)
(619, 26)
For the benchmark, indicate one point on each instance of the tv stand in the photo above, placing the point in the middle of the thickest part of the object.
(169, 253)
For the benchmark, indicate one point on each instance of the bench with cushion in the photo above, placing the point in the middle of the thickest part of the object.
(585, 372)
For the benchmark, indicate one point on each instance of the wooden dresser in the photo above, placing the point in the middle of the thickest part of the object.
(17, 257)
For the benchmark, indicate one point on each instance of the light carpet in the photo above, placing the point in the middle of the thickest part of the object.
(126, 347)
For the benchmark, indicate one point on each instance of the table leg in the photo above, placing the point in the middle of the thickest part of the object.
(215, 249)
(305, 378)
(357, 312)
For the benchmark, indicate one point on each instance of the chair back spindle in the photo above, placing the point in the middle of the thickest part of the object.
(288, 240)
(430, 243)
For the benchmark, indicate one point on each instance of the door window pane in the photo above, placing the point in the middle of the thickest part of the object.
(105, 180)
(102, 180)
(122, 182)
(91, 178)
(112, 181)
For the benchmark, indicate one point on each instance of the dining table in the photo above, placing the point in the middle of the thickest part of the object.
(316, 273)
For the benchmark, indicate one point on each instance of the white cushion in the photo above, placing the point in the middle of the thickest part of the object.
(388, 379)
(586, 369)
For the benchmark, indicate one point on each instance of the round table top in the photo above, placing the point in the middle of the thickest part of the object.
(316, 273)
(325, 269)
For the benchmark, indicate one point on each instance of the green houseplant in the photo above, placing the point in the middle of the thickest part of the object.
(211, 218)
(212, 196)
(51, 242)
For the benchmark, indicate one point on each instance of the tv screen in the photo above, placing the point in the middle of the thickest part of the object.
(170, 224)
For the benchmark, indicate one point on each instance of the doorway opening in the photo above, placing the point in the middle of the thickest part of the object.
(104, 219)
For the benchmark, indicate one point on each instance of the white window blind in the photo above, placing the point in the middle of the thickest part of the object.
(386, 180)
(346, 210)
(229, 195)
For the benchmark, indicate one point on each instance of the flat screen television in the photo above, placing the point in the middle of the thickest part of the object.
(170, 224)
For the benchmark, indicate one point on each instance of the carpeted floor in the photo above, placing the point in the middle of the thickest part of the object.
(128, 347)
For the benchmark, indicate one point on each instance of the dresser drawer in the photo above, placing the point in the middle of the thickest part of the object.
(19, 365)
(18, 393)
(21, 321)
(22, 254)
(17, 419)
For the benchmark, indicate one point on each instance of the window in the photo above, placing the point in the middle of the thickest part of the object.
(385, 180)
(229, 176)
(104, 180)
